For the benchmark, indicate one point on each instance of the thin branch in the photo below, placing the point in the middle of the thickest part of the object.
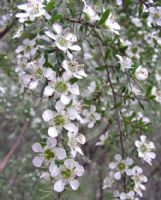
(7, 158)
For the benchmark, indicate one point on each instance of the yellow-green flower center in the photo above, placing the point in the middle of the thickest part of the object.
(59, 120)
(67, 173)
(48, 154)
(60, 86)
(121, 166)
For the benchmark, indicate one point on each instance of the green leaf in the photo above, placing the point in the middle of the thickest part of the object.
(104, 16)
(100, 68)
(57, 17)
(50, 6)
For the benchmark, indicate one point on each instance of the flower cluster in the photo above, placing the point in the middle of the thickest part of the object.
(55, 85)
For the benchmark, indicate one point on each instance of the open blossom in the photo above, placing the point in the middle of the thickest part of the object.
(126, 196)
(145, 148)
(28, 48)
(64, 39)
(141, 73)
(33, 73)
(58, 120)
(61, 87)
(125, 62)
(47, 153)
(91, 116)
(67, 174)
(75, 141)
(112, 25)
(155, 15)
(74, 68)
(121, 166)
(90, 14)
(31, 10)
(102, 139)
(157, 94)
(139, 179)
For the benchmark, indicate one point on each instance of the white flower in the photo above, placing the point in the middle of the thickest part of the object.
(121, 166)
(141, 73)
(74, 68)
(31, 10)
(128, 196)
(75, 141)
(112, 25)
(47, 153)
(155, 15)
(58, 120)
(91, 116)
(64, 39)
(109, 180)
(91, 87)
(119, 2)
(33, 73)
(90, 14)
(125, 62)
(144, 148)
(28, 48)
(62, 88)
(157, 94)
(139, 179)
(102, 139)
(66, 174)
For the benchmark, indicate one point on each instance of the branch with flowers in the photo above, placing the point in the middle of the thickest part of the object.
(107, 92)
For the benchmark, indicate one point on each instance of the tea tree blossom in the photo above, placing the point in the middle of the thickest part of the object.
(89, 14)
(31, 10)
(28, 48)
(66, 174)
(47, 153)
(112, 25)
(121, 166)
(74, 68)
(102, 139)
(64, 39)
(75, 141)
(125, 62)
(62, 88)
(155, 15)
(144, 149)
(91, 116)
(58, 120)
(157, 93)
(141, 73)
(139, 179)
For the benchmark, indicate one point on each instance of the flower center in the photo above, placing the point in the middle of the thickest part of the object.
(143, 148)
(59, 120)
(121, 166)
(62, 41)
(48, 154)
(67, 173)
(60, 86)
(38, 73)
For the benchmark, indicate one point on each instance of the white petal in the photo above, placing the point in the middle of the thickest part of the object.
(65, 99)
(50, 35)
(54, 170)
(59, 186)
(49, 74)
(75, 48)
(47, 115)
(117, 175)
(60, 153)
(52, 132)
(74, 184)
(37, 161)
(70, 127)
(59, 106)
(37, 147)
(48, 91)
(51, 142)
(57, 28)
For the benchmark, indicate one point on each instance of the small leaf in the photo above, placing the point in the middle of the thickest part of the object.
(104, 16)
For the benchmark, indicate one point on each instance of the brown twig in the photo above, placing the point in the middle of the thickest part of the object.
(7, 158)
